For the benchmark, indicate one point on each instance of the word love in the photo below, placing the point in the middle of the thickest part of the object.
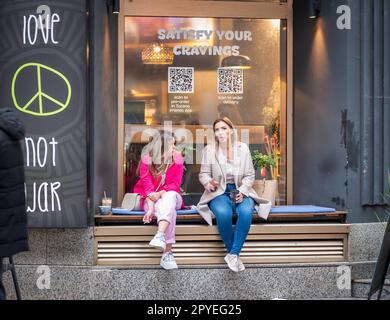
(41, 26)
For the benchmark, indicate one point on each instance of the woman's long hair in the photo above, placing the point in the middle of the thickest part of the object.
(156, 149)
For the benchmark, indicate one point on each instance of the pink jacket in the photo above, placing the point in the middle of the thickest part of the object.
(147, 184)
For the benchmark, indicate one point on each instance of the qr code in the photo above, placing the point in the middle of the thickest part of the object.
(230, 80)
(180, 80)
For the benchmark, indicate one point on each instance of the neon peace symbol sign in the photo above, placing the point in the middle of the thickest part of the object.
(39, 95)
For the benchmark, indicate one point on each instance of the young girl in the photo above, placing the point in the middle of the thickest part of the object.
(161, 173)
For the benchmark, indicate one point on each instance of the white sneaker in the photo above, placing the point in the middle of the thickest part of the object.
(241, 266)
(232, 262)
(158, 241)
(168, 261)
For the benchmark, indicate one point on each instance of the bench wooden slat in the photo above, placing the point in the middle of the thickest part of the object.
(194, 230)
(205, 244)
(188, 261)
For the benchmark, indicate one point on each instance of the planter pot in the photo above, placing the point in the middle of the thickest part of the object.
(266, 189)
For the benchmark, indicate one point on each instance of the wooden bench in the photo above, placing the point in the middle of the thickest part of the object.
(305, 238)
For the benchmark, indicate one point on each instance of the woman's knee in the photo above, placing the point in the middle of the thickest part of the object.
(246, 208)
(221, 209)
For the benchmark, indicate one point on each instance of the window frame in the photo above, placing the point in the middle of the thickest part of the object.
(207, 9)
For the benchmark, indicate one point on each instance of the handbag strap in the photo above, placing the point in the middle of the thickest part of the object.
(162, 181)
(263, 182)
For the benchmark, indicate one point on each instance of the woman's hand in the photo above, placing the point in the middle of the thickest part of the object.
(212, 185)
(239, 198)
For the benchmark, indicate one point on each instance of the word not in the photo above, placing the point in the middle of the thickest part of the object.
(45, 192)
(42, 25)
(39, 151)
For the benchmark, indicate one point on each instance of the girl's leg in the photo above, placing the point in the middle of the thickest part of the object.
(166, 214)
(244, 220)
(149, 205)
(223, 211)
(149, 210)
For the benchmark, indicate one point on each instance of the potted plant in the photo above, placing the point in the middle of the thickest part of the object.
(265, 163)
(267, 187)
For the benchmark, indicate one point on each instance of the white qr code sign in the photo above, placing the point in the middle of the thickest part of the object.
(230, 81)
(180, 80)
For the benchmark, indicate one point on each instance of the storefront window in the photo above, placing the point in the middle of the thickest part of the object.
(187, 72)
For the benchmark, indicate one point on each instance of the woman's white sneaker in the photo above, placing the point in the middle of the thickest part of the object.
(168, 261)
(158, 241)
(232, 262)
(241, 266)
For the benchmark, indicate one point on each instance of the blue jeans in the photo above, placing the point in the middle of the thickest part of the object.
(222, 208)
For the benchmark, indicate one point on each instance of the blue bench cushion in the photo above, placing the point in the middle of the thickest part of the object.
(119, 211)
(274, 210)
(301, 209)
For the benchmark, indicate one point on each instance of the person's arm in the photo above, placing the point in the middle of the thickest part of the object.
(176, 181)
(248, 177)
(148, 217)
(146, 178)
(205, 175)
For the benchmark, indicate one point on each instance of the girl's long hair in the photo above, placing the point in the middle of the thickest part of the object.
(156, 149)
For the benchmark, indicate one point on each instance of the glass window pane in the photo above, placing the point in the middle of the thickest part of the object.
(187, 72)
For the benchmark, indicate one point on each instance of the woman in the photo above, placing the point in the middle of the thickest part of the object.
(161, 173)
(227, 171)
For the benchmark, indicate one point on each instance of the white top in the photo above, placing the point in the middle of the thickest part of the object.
(230, 171)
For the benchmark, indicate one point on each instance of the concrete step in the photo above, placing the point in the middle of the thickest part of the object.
(361, 288)
(278, 281)
(361, 273)
(303, 281)
(364, 270)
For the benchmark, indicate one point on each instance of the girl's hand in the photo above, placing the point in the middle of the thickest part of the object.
(240, 198)
(154, 196)
(161, 193)
(148, 217)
